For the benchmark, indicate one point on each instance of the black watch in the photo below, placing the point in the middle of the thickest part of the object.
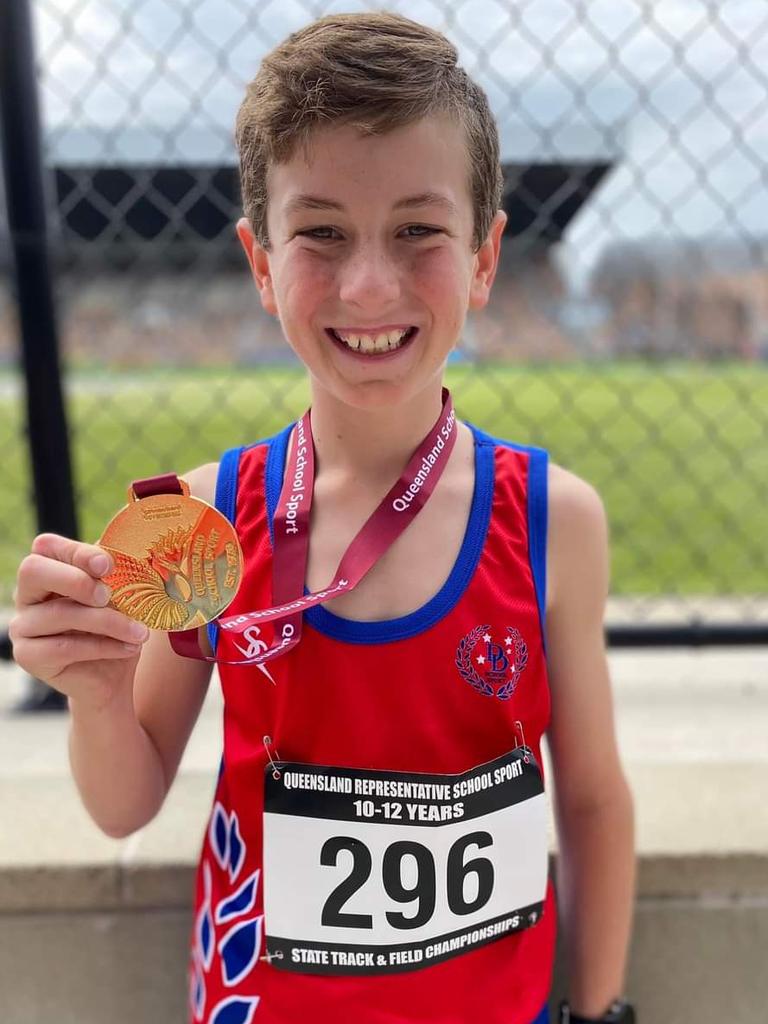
(618, 1012)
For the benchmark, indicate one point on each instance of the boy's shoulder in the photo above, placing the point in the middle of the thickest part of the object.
(570, 491)
(570, 494)
(202, 481)
(577, 536)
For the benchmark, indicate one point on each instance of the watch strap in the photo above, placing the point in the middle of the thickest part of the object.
(619, 1012)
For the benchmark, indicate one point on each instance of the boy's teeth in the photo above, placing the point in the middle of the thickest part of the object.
(369, 343)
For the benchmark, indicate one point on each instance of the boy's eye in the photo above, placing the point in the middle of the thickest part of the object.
(322, 233)
(325, 234)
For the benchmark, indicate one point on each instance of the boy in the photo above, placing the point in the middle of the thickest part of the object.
(371, 188)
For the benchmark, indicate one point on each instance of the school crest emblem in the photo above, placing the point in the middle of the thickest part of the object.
(490, 662)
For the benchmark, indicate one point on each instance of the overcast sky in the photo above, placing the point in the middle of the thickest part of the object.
(674, 91)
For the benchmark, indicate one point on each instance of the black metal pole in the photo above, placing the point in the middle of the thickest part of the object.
(25, 198)
(689, 634)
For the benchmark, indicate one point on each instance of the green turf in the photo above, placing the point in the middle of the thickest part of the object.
(679, 452)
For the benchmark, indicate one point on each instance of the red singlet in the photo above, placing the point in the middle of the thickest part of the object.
(437, 691)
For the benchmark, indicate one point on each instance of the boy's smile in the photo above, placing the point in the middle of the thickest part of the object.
(371, 268)
(373, 341)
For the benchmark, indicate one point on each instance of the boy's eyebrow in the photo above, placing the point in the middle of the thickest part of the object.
(309, 202)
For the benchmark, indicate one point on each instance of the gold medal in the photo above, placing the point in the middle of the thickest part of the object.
(178, 562)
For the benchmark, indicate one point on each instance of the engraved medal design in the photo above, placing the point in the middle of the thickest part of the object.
(178, 562)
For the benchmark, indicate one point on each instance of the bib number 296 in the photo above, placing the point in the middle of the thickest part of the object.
(409, 876)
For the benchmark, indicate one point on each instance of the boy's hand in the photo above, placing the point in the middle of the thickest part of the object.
(63, 632)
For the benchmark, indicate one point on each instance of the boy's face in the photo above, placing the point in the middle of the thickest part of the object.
(371, 236)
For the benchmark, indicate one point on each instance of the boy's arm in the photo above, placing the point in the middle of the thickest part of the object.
(593, 804)
(139, 733)
(124, 751)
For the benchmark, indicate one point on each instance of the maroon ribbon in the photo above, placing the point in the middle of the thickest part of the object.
(394, 514)
(168, 483)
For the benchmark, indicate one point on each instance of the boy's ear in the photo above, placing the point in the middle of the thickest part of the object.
(486, 263)
(258, 260)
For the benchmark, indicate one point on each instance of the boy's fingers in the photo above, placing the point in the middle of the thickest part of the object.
(88, 557)
(63, 616)
(52, 655)
(40, 576)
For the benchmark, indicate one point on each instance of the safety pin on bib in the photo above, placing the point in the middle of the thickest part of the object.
(276, 773)
(519, 726)
(269, 957)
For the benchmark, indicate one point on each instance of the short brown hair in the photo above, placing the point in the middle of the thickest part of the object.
(376, 71)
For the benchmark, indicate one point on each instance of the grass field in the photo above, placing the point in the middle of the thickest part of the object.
(679, 452)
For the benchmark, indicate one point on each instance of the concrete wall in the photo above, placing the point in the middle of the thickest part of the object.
(102, 938)
(695, 960)
(95, 931)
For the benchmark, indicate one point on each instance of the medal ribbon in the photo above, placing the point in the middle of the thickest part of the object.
(395, 513)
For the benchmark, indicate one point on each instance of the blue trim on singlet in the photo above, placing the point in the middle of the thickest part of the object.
(226, 501)
(537, 520)
(543, 1017)
(273, 476)
(389, 630)
(538, 515)
(354, 631)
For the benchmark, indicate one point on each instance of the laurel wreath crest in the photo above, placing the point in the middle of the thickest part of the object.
(521, 660)
(470, 674)
(464, 664)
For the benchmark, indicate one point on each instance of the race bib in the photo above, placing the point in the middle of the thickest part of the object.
(372, 872)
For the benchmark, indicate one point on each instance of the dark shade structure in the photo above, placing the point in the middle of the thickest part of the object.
(179, 214)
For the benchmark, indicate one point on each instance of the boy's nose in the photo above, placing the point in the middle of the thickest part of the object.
(369, 278)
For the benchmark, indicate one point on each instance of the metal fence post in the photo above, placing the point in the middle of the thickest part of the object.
(22, 169)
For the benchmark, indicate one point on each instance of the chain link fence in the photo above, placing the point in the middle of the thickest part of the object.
(628, 329)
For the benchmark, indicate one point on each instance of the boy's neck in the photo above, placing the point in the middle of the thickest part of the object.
(371, 444)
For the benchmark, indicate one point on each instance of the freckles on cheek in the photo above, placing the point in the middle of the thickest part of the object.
(436, 273)
(311, 275)
(305, 283)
